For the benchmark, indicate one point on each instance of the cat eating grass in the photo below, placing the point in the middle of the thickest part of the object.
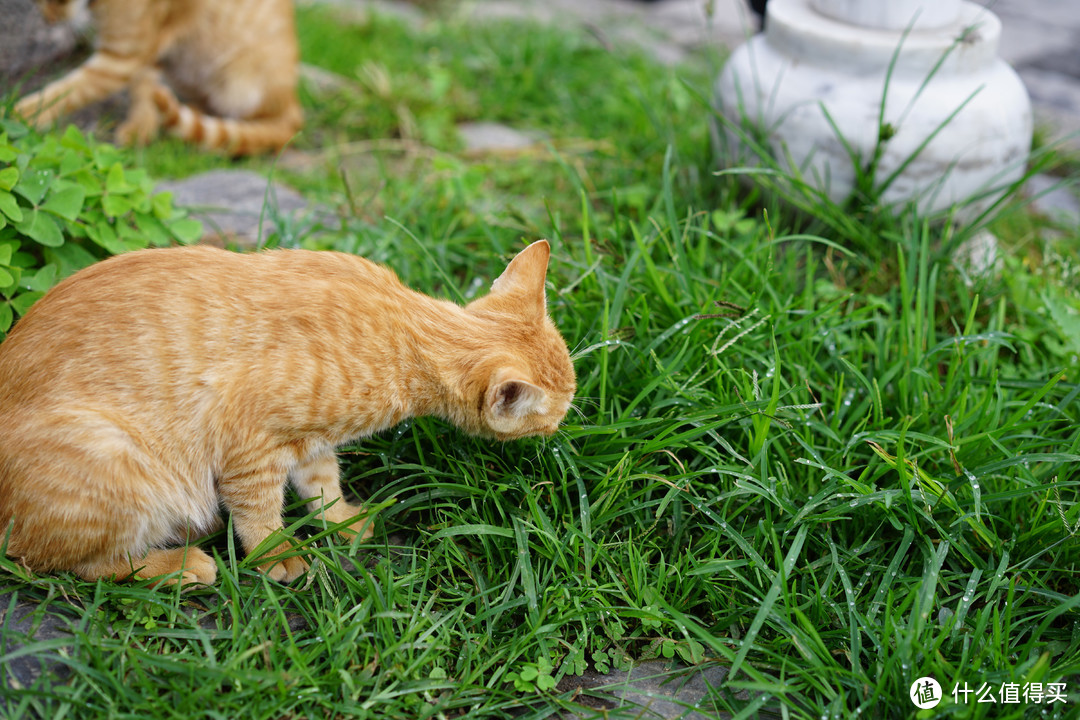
(235, 61)
(143, 394)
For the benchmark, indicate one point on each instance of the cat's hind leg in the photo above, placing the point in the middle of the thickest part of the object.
(319, 477)
(194, 566)
(91, 498)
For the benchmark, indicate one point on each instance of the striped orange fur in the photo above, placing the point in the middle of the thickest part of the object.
(146, 392)
(235, 63)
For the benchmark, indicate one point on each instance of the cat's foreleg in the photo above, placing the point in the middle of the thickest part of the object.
(319, 477)
(99, 77)
(143, 119)
(254, 494)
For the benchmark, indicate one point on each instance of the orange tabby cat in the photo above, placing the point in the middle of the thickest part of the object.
(236, 60)
(143, 392)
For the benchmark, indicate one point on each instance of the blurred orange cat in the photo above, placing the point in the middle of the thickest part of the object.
(144, 393)
(237, 61)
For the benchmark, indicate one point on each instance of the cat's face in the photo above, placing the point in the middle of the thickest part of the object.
(527, 389)
(60, 10)
(521, 401)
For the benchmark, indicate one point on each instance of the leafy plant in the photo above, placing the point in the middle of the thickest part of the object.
(66, 202)
(533, 677)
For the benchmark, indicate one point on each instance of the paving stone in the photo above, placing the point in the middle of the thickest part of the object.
(230, 204)
(1065, 62)
(33, 52)
(1026, 36)
(1039, 39)
(22, 626)
(324, 82)
(1055, 198)
(668, 29)
(654, 690)
(359, 11)
(1055, 100)
(494, 137)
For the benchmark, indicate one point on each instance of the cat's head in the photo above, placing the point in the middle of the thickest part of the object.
(60, 10)
(526, 382)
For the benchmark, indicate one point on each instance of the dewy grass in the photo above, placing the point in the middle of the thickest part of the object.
(859, 470)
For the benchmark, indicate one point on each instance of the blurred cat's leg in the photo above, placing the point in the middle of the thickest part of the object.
(103, 74)
(254, 492)
(319, 477)
(143, 119)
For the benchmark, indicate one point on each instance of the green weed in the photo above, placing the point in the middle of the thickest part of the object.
(829, 465)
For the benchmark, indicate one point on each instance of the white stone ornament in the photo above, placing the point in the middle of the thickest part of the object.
(961, 111)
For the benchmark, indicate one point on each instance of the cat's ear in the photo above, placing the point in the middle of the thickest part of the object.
(511, 398)
(523, 279)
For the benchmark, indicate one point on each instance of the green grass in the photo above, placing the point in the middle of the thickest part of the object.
(860, 469)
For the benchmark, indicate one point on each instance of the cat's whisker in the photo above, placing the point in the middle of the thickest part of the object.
(577, 347)
(578, 354)
(580, 414)
(579, 404)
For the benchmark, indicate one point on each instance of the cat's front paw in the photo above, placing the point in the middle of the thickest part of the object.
(137, 131)
(284, 570)
(32, 109)
(199, 569)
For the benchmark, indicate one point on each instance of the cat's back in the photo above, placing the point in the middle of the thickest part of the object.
(154, 316)
(157, 284)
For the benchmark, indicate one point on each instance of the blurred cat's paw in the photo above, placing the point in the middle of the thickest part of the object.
(32, 108)
(137, 131)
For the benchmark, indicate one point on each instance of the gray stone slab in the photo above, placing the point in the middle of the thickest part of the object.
(1063, 14)
(1066, 62)
(23, 626)
(1026, 36)
(1055, 100)
(495, 137)
(359, 11)
(1054, 197)
(667, 29)
(653, 690)
(236, 206)
(33, 52)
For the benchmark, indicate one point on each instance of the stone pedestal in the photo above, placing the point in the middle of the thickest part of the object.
(919, 84)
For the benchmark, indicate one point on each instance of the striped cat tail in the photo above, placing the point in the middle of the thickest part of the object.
(232, 135)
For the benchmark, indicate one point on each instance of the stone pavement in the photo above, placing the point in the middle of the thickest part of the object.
(1040, 38)
(669, 29)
